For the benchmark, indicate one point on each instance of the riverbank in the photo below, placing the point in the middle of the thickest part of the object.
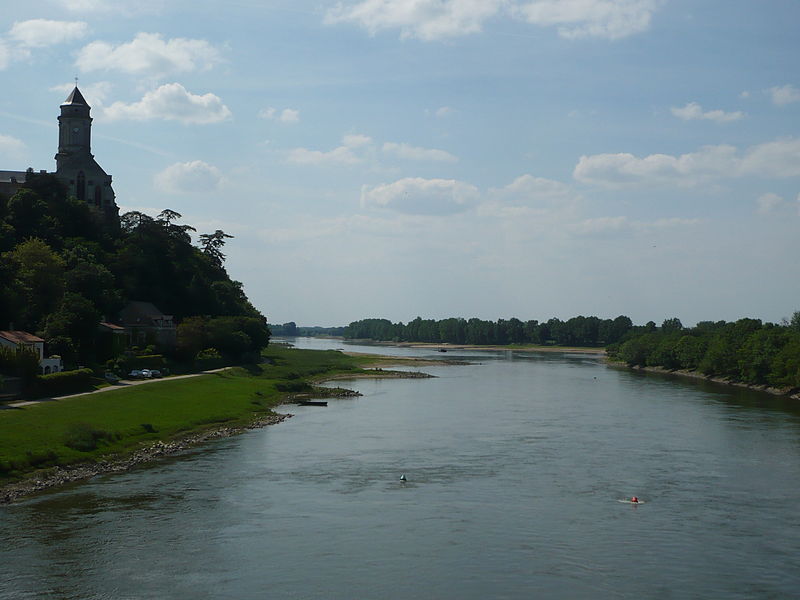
(510, 347)
(792, 393)
(58, 476)
(52, 443)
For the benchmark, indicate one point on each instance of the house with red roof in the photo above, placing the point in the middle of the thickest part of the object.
(22, 339)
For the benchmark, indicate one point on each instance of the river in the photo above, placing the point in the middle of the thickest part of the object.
(515, 465)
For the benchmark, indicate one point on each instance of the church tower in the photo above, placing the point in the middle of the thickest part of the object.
(75, 164)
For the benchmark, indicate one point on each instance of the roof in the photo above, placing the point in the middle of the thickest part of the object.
(136, 312)
(20, 337)
(111, 326)
(75, 98)
(20, 176)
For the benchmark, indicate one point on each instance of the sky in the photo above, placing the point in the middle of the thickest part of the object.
(442, 158)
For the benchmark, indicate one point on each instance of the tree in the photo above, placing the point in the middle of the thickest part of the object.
(670, 325)
(794, 322)
(211, 245)
(39, 280)
(168, 215)
(132, 220)
(76, 319)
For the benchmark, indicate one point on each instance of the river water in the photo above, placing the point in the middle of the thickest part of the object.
(516, 467)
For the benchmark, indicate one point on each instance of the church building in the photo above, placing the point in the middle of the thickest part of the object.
(76, 167)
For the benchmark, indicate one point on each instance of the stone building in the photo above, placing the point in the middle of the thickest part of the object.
(76, 167)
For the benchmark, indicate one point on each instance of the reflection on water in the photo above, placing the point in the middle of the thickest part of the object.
(515, 467)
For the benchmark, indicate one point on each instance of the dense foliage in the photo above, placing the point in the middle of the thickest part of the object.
(577, 331)
(65, 268)
(747, 350)
(291, 329)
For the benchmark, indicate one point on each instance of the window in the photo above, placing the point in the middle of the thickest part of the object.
(80, 192)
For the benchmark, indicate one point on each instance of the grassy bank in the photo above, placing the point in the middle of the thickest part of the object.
(94, 427)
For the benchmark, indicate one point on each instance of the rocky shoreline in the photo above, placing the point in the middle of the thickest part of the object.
(792, 393)
(57, 476)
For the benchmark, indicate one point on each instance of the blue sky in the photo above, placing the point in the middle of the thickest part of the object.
(489, 158)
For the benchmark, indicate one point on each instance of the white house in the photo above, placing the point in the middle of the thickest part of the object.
(23, 339)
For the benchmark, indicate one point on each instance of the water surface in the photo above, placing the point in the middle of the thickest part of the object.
(515, 467)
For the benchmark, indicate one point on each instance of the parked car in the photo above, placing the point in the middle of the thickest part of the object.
(146, 374)
(155, 373)
(135, 374)
(111, 378)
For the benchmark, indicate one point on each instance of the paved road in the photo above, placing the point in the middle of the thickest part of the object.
(123, 383)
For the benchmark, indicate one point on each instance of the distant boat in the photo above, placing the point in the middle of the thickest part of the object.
(312, 403)
(442, 349)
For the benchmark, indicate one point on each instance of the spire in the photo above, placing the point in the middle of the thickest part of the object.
(76, 98)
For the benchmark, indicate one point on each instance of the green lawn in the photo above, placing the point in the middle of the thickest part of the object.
(88, 427)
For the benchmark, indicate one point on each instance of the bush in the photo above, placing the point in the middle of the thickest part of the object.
(85, 438)
(65, 382)
(293, 386)
(210, 358)
(129, 362)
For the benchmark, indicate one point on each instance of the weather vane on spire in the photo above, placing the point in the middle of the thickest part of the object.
(76, 81)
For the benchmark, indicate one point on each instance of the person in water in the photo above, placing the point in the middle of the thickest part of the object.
(635, 500)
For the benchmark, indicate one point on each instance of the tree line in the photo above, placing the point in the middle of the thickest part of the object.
(746, 350)
(577, 331)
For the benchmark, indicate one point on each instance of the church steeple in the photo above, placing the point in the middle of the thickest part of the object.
(74, 127)
(76, 98)
(75, 165)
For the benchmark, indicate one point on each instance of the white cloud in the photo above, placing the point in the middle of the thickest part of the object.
(287, 115)
(338, 156)
(407, 152)
(529, 197)
(780, 158)
(37, 33)
(356, 140)
(172, 102)
(5, 56)
(438, 19)
(189, 177)
(767, 203)
(528, 189)
(784, 94)
(693, 111)
(417, 196)
(123, 7)
(444, 111)
(149, 54)
(423, 19)
(611, 19)
(341, 155)
(11, 147)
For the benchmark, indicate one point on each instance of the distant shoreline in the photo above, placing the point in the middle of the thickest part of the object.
(792, 393)
(493, 348)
